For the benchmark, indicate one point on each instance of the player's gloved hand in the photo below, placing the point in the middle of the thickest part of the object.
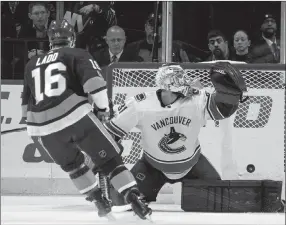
(102, 114)
(228, 82)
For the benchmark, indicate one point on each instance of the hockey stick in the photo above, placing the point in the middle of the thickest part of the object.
(14, 130)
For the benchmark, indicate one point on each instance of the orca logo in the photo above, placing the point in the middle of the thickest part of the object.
(168, 143)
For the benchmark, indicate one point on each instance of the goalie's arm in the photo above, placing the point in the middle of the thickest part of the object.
(126, 118)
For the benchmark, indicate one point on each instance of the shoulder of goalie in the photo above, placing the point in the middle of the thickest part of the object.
(229, 88)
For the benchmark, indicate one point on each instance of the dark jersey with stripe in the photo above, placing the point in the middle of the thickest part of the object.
(55, 91)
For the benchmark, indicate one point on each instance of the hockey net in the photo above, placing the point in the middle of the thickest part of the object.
(128, 79)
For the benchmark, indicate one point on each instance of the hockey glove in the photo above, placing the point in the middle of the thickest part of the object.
(101, 114)
(228, 83)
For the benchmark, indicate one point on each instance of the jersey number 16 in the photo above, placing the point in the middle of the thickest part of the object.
(56, 78)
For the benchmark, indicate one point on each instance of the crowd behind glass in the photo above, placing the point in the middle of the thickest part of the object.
(101, 30)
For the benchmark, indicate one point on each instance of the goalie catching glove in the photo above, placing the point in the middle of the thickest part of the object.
(228, 82)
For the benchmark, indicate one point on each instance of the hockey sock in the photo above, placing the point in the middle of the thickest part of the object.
(83, 178)
(122, 179)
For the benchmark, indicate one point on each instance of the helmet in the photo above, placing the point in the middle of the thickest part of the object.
(61, 33)
(172, 77)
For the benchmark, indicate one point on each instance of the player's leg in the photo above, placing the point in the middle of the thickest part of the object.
(203, 170)
(105, 153)
(66, 154)
(149, 179)
(149, 182)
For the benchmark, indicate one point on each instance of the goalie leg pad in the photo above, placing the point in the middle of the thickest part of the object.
(231, 196)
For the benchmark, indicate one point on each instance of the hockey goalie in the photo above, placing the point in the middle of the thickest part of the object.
(170, 120)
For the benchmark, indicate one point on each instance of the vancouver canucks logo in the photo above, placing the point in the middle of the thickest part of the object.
(172, 143)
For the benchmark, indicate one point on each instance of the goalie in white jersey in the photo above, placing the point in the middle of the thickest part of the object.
(170, 120)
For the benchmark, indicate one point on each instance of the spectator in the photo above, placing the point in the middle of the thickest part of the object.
(12, 14)
(241, 44)
(52, 9)
(267, 48)
(37, 28)
(218, 46)
(91, 20)
(143, 48)
(115, 52)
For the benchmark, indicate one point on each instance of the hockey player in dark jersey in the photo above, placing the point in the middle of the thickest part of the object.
(55, 103)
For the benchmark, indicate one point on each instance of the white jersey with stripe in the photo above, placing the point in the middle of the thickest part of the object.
(169, 134)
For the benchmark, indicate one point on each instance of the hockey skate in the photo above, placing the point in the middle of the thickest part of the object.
(138, 206)
(102, 204)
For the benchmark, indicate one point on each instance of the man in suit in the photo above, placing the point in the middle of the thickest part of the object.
(115, 52)
(39, 15)
(143, 48)
(267, 48)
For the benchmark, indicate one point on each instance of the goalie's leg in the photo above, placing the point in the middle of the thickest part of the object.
(203, 170)
(149, 180)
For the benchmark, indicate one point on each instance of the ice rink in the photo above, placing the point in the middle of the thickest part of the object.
(22, 210)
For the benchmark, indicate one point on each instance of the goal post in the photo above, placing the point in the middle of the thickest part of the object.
(249, 145)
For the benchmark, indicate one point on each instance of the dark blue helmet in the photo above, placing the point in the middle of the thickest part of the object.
(61, 33)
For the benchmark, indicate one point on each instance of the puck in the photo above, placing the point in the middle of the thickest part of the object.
(250, 168)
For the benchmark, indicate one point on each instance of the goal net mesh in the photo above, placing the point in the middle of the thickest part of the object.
(138, 77)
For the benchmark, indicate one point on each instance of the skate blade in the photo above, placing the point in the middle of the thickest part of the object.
(110, 217)
(149, 218)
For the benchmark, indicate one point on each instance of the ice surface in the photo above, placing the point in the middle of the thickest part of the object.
(74, 210)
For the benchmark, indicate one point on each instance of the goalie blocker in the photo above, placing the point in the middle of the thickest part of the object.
(231, 196)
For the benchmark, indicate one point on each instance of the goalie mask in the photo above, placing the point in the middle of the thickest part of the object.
(173, 78)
